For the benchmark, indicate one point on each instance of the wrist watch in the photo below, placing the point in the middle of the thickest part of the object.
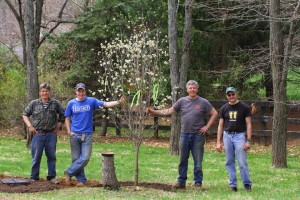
(249, 141)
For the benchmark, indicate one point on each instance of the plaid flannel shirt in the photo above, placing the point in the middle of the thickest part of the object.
(45, 118)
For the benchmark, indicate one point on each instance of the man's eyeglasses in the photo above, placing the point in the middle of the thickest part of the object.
(231, 94)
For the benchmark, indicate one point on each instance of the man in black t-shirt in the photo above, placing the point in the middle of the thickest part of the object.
(235, 125)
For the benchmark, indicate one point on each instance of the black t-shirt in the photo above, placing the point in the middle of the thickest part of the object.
(234, 116)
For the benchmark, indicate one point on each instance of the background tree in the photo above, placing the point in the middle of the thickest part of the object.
(174, 73)
(75, 55)
(280, 54)
(29, 17)
(178, 75)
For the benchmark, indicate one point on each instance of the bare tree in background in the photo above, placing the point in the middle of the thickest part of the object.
(30, 16)
(178, 75)
(273, 58)
(174, 72)
(280, 53)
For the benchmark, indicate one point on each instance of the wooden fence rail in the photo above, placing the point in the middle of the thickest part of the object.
(262, 120)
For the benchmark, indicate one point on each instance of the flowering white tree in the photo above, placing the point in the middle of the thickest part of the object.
(133, 67)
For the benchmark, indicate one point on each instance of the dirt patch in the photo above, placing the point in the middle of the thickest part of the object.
(44, 185)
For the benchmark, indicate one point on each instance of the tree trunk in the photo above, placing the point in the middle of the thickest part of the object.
(118, 126)
(174, 72)
(104, 123)
(31, 52)
(109, 178)
(20, 21)
(186, 44)
(279, 72)
(30, 28)
(279, 127)
(137, 145)
(155, 124)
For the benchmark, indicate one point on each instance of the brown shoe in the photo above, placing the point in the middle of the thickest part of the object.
(67, 178)
(80, 184)
(54, 181)
(234, 189)
(178, 186)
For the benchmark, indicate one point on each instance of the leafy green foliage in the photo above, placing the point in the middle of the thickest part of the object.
(77, 51)
(12, 90)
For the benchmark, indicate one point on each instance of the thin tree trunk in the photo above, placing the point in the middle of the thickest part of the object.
(104, 123)
(118, 126)
(186, 45)
(137, 145)
(174, 72)
(31, 51)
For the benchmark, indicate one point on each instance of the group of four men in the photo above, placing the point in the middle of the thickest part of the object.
(234, 124)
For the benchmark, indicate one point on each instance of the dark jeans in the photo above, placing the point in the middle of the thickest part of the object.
(193, 142)
(41, 141)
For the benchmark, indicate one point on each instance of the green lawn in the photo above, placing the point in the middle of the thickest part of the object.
(292, 89)
(157, 166)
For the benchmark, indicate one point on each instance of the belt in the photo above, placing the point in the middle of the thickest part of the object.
(44, 131)
(233, 132)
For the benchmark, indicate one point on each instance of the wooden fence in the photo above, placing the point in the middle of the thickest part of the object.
(261, 121)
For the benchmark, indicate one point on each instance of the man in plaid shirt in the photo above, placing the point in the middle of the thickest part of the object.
(47, 118)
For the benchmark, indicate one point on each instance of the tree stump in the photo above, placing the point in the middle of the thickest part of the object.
(109, 178)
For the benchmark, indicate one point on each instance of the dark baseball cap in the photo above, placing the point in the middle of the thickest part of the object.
(230, 89)
(80, 86)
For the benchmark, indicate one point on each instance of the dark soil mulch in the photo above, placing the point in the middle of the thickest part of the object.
(44, 185)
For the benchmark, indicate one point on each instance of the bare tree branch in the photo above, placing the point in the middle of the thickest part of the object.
(57, 23)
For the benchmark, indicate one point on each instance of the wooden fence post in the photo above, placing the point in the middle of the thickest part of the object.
(155, 126)
(118, 126)
(263, 123)
(109, 178)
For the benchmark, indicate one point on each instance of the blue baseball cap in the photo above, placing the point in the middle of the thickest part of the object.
(230, 89)
(80, 86)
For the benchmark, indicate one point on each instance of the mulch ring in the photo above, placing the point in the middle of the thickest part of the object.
(43, 185)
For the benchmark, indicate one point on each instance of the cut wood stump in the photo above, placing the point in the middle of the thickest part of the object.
(109, 178)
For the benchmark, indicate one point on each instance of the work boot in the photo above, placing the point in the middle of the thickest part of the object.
(67, 178)
(54, 181)
(80, 184)
(198, 185)
(178, 186)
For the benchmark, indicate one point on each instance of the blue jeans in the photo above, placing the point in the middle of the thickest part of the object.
(193, 142)
(41, 141)
(234, 148)
(81, 153)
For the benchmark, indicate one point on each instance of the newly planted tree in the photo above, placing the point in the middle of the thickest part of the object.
(133, 67)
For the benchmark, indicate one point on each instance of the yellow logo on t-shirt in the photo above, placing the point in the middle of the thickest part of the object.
(232, 115)
(197, 106)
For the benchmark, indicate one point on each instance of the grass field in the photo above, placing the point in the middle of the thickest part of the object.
(292, 89)
(156, 166)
